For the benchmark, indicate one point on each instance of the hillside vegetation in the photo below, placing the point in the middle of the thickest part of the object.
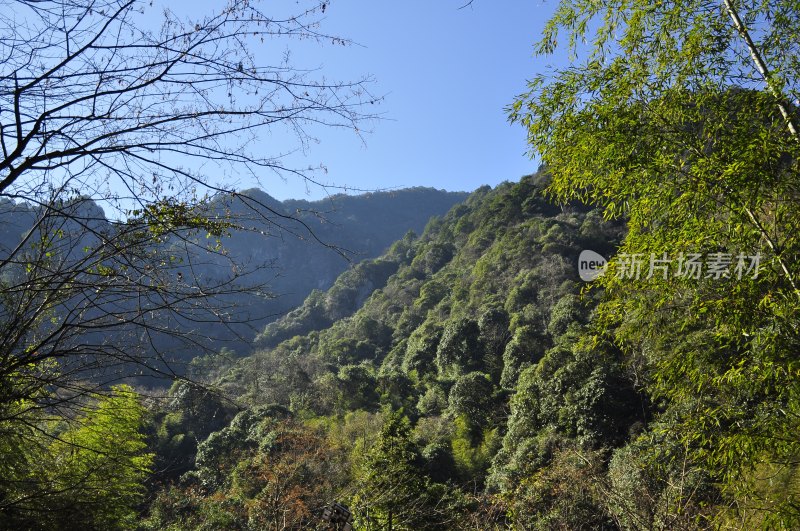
(408, 360)
(440, 386)
(280, 251)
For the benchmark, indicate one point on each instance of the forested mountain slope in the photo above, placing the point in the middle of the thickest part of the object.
(439, 386)
(280, 252)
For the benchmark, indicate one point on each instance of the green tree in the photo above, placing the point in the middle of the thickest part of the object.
(472, 449)
(526, 347)
(459, 350)
(394, 491)
(421, 347)
(663, 491)
(572, 394)
(494, 335)
(271, 474)
(191, 415)
(681, 118)
(90, 476)
(357, 386)
(105, 462)
(472, 397)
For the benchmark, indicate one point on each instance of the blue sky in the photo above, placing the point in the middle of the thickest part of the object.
(446, 74)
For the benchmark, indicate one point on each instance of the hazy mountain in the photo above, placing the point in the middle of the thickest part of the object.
(282, 251)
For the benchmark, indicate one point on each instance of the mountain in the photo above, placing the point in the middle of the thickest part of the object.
(274, 255)
(298, 246)
(309, 243)
(431, 378)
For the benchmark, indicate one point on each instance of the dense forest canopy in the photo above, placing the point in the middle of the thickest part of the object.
(463, 375)
(406, 369)
(683, 120)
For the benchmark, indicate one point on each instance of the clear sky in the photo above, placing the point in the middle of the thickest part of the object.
(446, 74)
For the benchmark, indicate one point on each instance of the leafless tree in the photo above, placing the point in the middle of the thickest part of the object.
(98, 110)
(87, 93)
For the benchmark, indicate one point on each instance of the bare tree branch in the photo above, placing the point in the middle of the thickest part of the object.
(116, 140)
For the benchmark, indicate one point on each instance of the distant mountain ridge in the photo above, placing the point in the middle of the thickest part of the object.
(310, 243)
(292, 247)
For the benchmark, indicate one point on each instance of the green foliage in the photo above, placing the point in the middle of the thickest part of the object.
(473, 449)
(358, 387)
(396, 390)
(104, 456)
(665, 492)
(661, 402)
(435, 256)
(566, 311)
(574, 394)
(164, 217)
(467, 307)
(320, 310)
(270, 474)
(563, 495)
(494, 335)
(432, 402)
(682, 119)
(421, 348)
(471, 398)
(394, 491)
(525, 349)
(192, 414)
(91, 476)
(459, 349)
